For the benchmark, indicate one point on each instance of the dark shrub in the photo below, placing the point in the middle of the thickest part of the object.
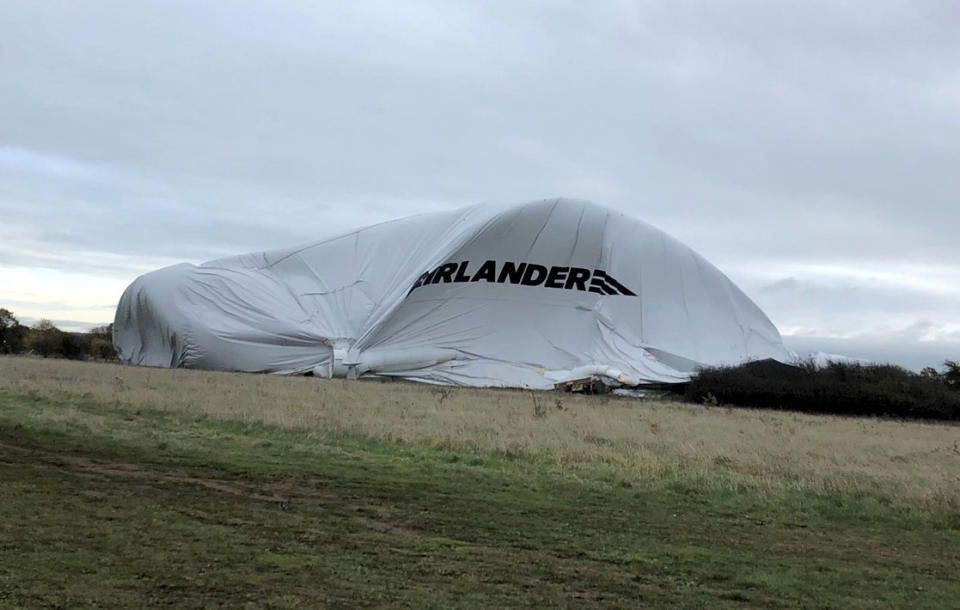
(840, 388)
(75, 345)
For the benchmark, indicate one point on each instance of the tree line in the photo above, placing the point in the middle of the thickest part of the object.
(45, 339)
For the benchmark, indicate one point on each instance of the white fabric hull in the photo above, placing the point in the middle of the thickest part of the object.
(510, 296)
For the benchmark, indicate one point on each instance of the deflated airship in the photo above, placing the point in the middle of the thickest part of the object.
(522, 295)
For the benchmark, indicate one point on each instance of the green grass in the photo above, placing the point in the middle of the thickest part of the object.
(109, 504)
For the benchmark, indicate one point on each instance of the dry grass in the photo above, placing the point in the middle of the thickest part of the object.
(635, 442)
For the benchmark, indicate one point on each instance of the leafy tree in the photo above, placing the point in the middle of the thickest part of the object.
(11, 333)
(951, 376)
(45, 339)
(101, 343)
(45, 325)
(102, 349)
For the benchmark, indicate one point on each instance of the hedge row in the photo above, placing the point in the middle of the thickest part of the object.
(838, 388)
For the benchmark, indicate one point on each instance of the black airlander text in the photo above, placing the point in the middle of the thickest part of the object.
(525, 274)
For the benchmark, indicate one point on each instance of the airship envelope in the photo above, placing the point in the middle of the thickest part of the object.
(514, 296)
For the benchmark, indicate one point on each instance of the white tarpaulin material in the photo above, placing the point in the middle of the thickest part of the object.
(519, 296)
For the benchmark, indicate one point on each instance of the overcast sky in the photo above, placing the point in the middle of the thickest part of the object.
(811, 150)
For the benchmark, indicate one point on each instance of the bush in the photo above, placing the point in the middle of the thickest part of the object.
(839, 388)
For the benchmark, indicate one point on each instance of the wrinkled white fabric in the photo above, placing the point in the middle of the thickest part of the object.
(516, 296)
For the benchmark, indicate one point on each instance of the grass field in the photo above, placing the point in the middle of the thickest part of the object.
(123, 486)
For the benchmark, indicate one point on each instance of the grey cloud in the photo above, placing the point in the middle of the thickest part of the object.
(876, 320)
(84, 208)
(60, 306)
(787, 103)
(910, 354)
(845, 305)
(68, 325)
